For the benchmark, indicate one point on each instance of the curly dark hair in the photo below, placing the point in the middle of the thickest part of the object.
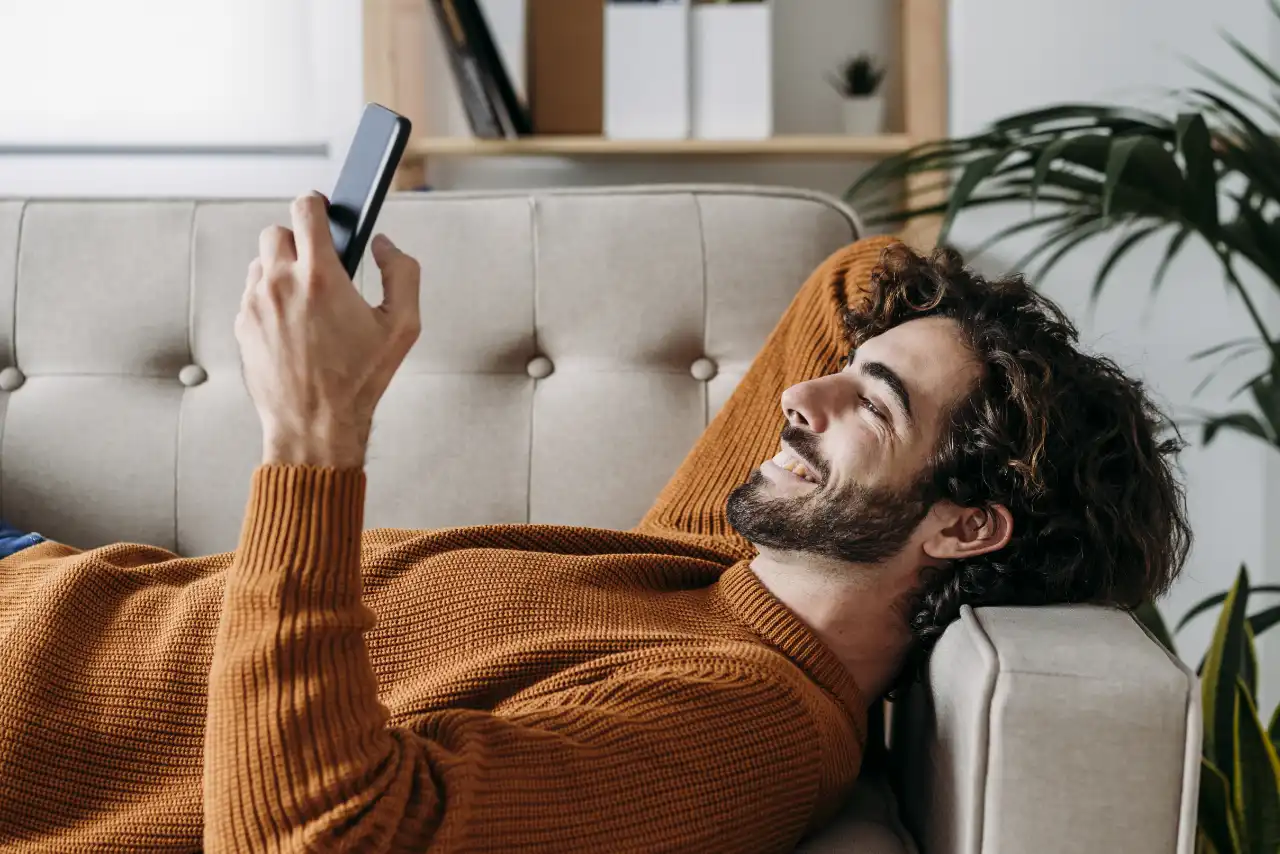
(1075, 449)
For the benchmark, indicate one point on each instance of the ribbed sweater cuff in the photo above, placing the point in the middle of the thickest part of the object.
(294, 725)
(301, 532)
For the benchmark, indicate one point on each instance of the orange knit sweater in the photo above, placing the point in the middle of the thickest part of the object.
(488, 688)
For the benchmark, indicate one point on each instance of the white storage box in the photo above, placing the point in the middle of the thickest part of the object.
(732, 63)
(646, 69)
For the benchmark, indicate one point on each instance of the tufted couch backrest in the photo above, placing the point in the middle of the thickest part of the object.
(574, 345)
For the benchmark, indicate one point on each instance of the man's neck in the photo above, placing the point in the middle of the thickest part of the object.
(855, 610)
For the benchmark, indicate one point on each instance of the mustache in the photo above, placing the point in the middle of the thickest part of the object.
(805, 445)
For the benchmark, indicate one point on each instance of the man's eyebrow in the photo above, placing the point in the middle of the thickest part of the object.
(886, 374)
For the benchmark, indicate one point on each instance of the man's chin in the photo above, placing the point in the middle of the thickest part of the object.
(759, 514)
(857, 525)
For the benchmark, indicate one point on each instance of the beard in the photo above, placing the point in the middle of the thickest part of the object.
(856, 523)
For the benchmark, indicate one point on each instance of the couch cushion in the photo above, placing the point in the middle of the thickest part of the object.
(616, 292)
(868, 824)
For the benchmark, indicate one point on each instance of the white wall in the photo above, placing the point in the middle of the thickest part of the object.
(234, 98)
(1013, 56)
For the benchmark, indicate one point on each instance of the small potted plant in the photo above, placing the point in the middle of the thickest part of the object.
(858, 81)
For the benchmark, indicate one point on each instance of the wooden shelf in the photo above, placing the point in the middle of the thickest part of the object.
(402, 52)
(832, 145)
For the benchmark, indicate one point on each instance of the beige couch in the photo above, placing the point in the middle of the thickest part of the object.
(574, 345)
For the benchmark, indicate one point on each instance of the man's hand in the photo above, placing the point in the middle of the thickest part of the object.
(316, 356)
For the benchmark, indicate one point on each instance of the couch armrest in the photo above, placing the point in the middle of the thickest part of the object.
(1051, 729)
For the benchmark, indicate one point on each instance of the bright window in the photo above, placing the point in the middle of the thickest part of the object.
(148, 97)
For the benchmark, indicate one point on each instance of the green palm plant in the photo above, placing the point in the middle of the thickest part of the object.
(1239, 809)
(1211, 172)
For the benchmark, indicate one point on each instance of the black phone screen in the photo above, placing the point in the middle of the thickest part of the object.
(363, 182)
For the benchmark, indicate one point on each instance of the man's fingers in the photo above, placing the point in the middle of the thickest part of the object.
(401, 277)
(276, 246)
(251, 278)
(310, 215)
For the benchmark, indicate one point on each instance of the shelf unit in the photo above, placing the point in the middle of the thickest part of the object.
(398, 39)
(596, 146)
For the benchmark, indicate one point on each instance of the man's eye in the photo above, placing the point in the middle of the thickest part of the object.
(875, 410)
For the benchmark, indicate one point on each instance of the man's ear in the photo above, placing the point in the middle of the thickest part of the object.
(970, 531)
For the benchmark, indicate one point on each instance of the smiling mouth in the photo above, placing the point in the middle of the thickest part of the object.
(789, 460)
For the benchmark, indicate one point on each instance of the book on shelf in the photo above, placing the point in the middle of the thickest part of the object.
(512, 114)
(466, 70)
(493, 108)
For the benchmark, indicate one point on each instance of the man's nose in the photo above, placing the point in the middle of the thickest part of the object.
(807, 406)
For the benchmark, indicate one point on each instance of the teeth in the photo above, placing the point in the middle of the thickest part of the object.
(785, 460)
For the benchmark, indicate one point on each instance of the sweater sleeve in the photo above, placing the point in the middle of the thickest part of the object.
(300, 755)
(807, 342)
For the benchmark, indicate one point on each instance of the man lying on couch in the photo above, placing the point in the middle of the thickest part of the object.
(699, 683)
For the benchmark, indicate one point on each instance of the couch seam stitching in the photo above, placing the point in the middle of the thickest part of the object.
(982, 639)
(13, 329)
(191, 358)
(533, 392)
(702, 247)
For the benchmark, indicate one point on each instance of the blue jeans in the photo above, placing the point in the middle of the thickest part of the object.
(13, 540)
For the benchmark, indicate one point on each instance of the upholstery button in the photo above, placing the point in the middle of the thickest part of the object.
(704, 369)
(540, 367)
(11, 378)
(192, 375)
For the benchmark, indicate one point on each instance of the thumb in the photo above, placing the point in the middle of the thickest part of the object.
(401, 276)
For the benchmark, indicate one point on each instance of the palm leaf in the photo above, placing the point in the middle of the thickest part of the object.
(1252, 236)
(1127, 201)
(1256, 784)
(930, 156)
(1083, 233)
(1215, 816)
(1252, 58)
(1217, 599)
(1239, 92)
(1018, 228)
(1087, 149)
(1149, 616)
(1201, 185)
(1238, 354)
(1126, 117)
(1249, 661)
(1155, 169)
(1246, 142)
(1265, 618)
(1121, 151)
(940, 207)
(1073, 233)
(1227, 345)
(1220, 670)
(973, 175)
(1122, 246)
(1243, 422)
(1265, 389)
(1047, 158)
(1175, 244)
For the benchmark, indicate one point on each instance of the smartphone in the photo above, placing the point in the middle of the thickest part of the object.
(363, 182)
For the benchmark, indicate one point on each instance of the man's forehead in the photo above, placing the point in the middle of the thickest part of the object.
(928, 354)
